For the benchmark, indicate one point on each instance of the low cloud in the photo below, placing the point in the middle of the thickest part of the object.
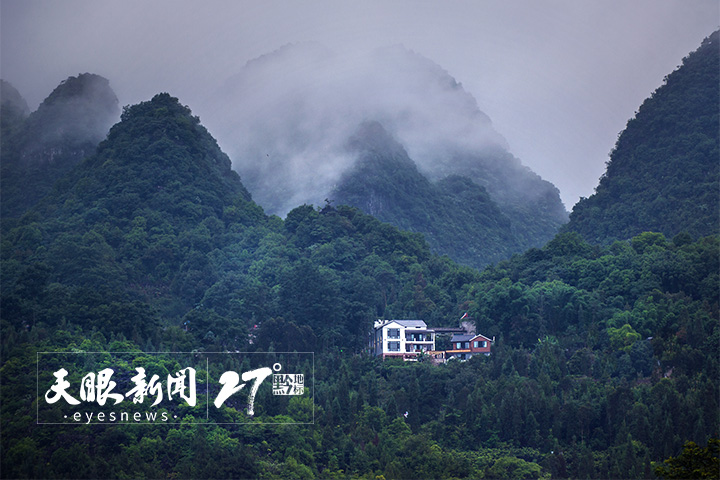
(286, 117)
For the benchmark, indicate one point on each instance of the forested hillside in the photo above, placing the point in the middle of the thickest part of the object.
(606, 358)
(663, 173)
(605, 362)
(41, 147)
(308, 140)
(475, 225)
(456, 216)
(14, 108)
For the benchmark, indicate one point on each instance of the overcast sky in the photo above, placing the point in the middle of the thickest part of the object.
(558, 78)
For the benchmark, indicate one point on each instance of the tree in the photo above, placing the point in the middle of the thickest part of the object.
(515, 469)
(693, 462)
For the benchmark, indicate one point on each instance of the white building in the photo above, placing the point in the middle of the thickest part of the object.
(404, 339)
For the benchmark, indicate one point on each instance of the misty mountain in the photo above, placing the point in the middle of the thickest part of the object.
(457, 216)
(663, 174)
(13, 113)
(157, 157)
(13, 108)
(287, 117)
(152, 244)
(133, 224)
(155, 230)
(70, 122)
(532, 204)
(66, 127)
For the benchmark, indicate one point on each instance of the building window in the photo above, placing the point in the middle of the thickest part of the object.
(393, 333)
(393, 346)
(484, 344)
(458, 345)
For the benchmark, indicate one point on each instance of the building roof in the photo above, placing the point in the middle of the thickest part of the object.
(458, 330)
(461, 338)
(402, 323)
(481, 336)
(411, 323)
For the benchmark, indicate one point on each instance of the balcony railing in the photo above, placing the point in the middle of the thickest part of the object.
(418, 338)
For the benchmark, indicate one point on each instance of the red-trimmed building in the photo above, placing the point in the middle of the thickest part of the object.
(480, 344)
(463, 347)
(407, 339)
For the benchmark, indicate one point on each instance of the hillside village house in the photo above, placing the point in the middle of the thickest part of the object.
(404, 339)
(407, 339)
(463, 347)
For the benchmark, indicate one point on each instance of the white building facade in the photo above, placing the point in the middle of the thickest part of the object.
(404, 339)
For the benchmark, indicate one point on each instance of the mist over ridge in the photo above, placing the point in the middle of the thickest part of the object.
(40, 147)
(286, 117)
(11, 99)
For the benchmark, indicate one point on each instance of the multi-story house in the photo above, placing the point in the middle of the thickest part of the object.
(407, 339)
(459, 347)
(404, 339)
(463, 347)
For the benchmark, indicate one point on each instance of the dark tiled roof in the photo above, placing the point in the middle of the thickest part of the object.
(461, 338)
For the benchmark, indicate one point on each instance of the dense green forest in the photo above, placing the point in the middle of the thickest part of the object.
(605, 363)
(663, 173)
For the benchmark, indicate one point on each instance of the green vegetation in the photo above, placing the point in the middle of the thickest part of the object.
(606, 360)
(13, 110)
(42, 147)
(457, 216)
(693, 462)
(663, 173)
